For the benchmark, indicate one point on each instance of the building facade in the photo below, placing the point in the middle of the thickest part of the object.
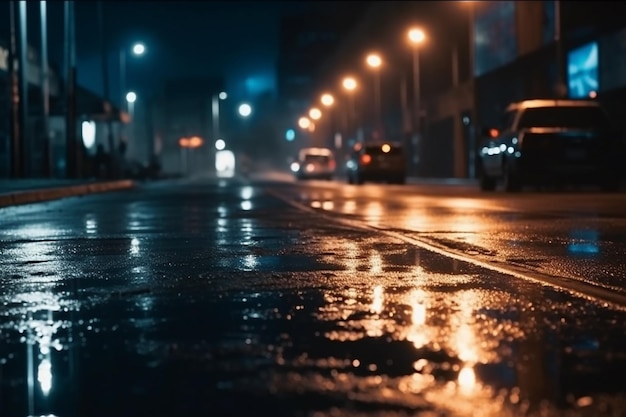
(184, 109)
(477, 58)
(306, 39)
(46, 154)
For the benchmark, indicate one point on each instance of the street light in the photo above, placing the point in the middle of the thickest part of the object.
(304, 122)
(245, 110)
(416, 37)
(215, 112)
(131, 97)
(374, 61)
(473, 127)
(327, 100)
(315, 113)
(349, 83)
(137, 49)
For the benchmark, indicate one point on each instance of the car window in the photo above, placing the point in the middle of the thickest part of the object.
(566, 117)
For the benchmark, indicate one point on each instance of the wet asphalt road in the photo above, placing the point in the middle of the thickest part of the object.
(219, 298)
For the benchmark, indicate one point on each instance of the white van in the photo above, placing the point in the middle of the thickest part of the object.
(314, 163)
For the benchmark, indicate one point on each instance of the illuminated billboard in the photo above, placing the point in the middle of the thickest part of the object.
(582, 71)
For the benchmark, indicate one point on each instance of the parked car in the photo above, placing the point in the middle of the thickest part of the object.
(384, 162)
(314, 163)
(552, 142)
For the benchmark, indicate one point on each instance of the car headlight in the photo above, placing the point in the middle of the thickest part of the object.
(295, 167)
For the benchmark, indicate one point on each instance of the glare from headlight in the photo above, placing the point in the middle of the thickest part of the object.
(295, 167)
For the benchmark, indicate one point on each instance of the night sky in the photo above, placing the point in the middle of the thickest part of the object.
(235, 39)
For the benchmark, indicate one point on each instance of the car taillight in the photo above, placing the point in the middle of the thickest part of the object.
(331, 164)
(366, 159)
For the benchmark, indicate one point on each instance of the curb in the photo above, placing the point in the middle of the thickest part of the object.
(55, 193)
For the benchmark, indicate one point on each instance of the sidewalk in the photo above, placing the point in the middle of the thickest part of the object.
(25, 191)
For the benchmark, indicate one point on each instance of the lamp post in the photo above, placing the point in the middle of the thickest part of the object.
(374, 61)
(473, 126)
(131, 97)
(349, 84)
(215, 112)
(328, 101)
(416, 37)
(45, 90)
(561, 87)
(138, 49)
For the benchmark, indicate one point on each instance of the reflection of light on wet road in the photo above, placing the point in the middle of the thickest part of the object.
(134, 246)
(376, 263)
(33, 231)
(349, 207)
(352, 251)
(250, 262)
(91, 225)
(584, 242)
(324, 205)
(378, 299)
(464, 329)
(467, 380)
(44, 375)
(417, 332)
(247, 193)
(222, 210)
(374, 212)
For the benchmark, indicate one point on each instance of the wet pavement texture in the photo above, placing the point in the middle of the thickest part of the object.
(216, 298)
(577, 235)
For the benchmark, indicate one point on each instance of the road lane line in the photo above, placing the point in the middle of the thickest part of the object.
(571, 285)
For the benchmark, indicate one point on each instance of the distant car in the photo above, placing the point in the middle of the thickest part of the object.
(314, 163)
(382, 162)
(552, 142)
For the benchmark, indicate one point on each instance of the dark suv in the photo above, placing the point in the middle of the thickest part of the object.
(383, 162)
(552, 142)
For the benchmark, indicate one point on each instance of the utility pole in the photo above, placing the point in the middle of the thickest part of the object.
(15, 102)
(106, 86)
(72, 154)
(45, 91)
(561, 87)
(25, 148)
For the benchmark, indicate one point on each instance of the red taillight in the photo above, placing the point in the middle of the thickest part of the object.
(331, 164)
(366, 159)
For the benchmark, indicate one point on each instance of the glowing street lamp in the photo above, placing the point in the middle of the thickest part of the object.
(131, 97)
(374, 61)
(349, 84)
(245, 110)
(315, 113)
(327, 100)
(416, 36)
(137, 49)
(304, 123)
